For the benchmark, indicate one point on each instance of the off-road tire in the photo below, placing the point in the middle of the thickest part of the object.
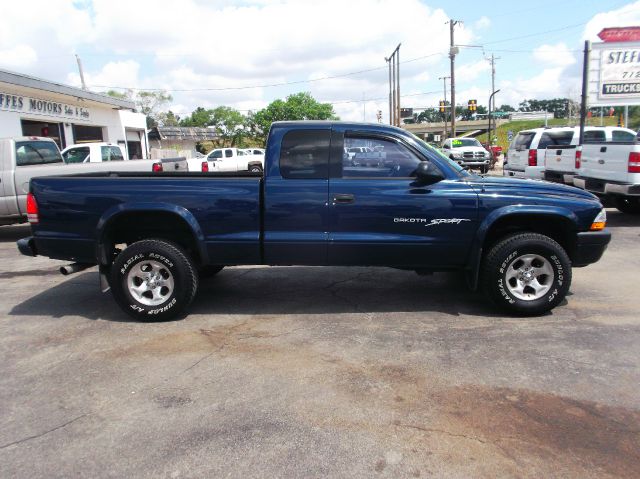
(628, 204)
(170, 261)
(501, 262)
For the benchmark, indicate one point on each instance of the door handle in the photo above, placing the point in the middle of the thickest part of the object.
(343, 198)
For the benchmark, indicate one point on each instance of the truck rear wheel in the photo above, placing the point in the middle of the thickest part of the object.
(255, 169)
(527, 274)
(628, 204)
(153, 280)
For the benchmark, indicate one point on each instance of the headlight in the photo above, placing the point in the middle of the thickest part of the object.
(600, 221)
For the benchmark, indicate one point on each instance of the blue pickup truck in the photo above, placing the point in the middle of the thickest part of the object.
(397, 203)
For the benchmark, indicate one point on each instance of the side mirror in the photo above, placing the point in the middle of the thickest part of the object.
(428, 174)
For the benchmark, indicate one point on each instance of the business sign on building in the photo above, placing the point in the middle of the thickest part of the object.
(37, 106)
(614, 73)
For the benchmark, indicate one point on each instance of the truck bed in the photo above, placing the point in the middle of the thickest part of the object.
(224, 208)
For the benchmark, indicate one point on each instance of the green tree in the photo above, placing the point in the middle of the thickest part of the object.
(199, 117)
(170, 119)
(300, 106)
(230, 125)
(506, 108)
(152, 104)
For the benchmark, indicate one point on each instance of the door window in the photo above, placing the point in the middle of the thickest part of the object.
(228, 153)
(378, 158)
(594, 136)
(216, 154)
(305, 154)
(116, 154)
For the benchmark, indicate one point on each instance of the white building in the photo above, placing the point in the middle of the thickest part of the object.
(33, 107)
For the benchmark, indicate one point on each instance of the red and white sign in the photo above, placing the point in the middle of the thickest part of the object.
(620, 34)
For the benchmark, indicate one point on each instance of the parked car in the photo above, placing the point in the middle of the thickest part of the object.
(23, 158)
(416, 210)
(93, 153)
(468, 152)
(611, 169)
(234, 160)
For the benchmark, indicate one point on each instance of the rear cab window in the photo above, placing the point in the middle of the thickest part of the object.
(37, 153)
(594, 136)
(304, 154)
(555, 138)
(76, 155)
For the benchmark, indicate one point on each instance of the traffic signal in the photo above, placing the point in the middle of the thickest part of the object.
(442, 106)
(473, 105)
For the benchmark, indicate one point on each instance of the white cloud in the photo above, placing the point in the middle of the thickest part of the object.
(554, 55)
(629, 15)
(482, 23)
(19, 57)
(471, 71)
(112, 74)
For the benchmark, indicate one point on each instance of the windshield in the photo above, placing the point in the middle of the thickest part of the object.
(37, 153)
(459, 169)
(461, 142)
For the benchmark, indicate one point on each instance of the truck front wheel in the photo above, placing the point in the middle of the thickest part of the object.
(153, 280)
(527, 274)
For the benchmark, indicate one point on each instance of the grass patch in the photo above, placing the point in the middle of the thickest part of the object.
(520, 125)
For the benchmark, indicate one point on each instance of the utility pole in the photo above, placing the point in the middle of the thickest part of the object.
(492, 107)
(394, 86)
(444, 81)
(452, 55)
(84, 85)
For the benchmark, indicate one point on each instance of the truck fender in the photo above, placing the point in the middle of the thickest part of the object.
(511, 211)
(116, 211)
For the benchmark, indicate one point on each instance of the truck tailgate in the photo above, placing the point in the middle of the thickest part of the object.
(608, 161)
(560, 158)
(225, 212)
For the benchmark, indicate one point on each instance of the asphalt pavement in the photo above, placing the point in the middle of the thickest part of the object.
(320, 372)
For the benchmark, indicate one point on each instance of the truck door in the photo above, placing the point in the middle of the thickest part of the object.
(295, 196)
(380, 215)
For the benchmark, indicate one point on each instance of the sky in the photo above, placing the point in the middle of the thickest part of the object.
(247, 53)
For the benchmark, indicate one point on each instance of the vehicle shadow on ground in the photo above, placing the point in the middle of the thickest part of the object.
(14, 232)
(616, 218)
(283, 290)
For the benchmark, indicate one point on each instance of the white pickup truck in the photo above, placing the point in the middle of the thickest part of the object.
(93, 153)
(233, 159)
(23, 158)
(611, 170)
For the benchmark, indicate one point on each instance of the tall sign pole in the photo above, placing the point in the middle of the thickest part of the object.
(585, 86)
(394, 86)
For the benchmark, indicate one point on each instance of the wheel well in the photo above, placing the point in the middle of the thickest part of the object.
(555, 227)
(130, 227)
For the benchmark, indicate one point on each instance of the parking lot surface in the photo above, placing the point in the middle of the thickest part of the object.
(320, 372)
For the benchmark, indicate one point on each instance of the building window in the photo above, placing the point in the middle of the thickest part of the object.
(86, 134)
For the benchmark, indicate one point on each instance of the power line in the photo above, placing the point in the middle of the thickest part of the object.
(267, 85)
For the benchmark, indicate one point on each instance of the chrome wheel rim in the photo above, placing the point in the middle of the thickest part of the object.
(529, 277)
(150, 283)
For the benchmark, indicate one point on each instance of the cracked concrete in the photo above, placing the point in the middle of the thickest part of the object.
(320, 372)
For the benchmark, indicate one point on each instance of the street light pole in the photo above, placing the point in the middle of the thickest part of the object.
(489, 118)
(452, 56)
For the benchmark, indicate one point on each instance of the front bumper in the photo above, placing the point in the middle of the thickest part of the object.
(472, 161)
(27, 246)
(590, 246)
(604, 187)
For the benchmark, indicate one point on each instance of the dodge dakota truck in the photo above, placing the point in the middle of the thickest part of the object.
(154, 235)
